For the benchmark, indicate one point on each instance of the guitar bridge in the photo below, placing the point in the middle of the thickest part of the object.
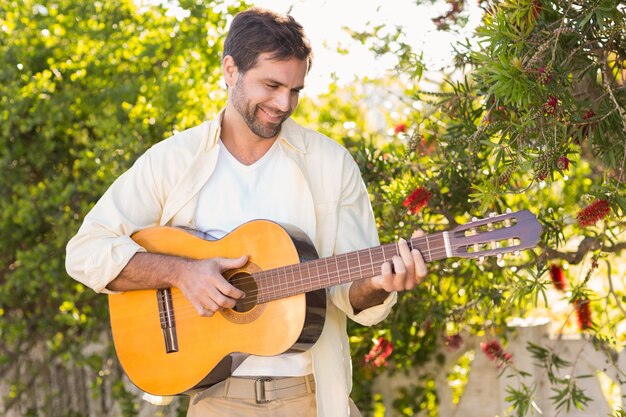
(166, 315)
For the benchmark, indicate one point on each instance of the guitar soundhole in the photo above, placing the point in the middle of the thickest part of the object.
(247, 284)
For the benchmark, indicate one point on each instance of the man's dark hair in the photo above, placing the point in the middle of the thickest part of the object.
(255, 31)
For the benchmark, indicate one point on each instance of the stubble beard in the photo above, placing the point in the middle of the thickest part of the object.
(249, 114)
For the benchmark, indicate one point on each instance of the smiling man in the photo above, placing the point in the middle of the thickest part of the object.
(251, 162)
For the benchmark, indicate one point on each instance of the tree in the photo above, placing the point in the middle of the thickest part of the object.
(531, 117)
(85, 87)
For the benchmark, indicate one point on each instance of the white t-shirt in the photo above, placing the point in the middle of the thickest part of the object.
(238, 193)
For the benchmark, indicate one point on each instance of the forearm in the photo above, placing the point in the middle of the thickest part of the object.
(364, 295)
(150, 271)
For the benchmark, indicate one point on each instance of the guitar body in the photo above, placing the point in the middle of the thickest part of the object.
(208, 349)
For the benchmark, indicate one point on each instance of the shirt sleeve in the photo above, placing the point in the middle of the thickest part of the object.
(356, 229)
(102, 246)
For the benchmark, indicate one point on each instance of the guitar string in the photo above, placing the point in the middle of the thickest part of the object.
(276, 288)
(300, 285)
(351, 266)
(297, 283)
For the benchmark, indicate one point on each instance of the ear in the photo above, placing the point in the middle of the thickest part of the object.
(231, 72)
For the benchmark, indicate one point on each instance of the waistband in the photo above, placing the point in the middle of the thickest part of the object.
(260, 389)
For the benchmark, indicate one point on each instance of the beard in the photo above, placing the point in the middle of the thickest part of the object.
(249, 113)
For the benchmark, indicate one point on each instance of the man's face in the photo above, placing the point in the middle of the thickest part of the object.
(267, 94)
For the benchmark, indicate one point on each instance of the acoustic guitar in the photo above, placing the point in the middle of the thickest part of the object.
(166, 348)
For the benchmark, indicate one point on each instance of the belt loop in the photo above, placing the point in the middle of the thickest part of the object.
(259, 390)
(226, 387)
(308, 384)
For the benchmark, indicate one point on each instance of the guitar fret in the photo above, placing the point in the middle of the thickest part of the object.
(327, 267)
(289, 282)
(358, 258)
(301, 278)
(305, 284)
(317, 269)
(349, 266)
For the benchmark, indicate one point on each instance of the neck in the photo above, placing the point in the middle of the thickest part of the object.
(240, 141)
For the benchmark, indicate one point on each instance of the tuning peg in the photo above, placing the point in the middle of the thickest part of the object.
(474, 219)
(481, 260)
(508, 210)
(493, 214)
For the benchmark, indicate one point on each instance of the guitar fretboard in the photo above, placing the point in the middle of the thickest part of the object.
(313, 275)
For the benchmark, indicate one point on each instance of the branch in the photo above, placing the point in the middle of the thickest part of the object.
(612, 290)
(587, 245)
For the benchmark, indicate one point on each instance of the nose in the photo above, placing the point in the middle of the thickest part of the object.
(282, 101)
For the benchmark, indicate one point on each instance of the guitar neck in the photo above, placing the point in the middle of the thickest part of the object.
(313, 275)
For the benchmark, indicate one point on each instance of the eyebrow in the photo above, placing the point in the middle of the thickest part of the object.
(273, 81)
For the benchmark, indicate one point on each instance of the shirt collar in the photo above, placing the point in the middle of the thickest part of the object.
(291, 134)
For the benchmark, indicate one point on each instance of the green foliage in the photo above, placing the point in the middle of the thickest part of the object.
(520, 399)
(85, 87)
(536, 121)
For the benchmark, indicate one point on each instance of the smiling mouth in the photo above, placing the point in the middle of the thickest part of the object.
(277, 116)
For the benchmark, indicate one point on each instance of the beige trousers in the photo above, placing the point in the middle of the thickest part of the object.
(225, 407)
(303, 406)
(232, 398)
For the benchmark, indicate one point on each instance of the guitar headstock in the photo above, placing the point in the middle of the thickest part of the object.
(499, 234)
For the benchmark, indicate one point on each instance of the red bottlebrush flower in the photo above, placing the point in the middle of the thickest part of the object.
(563, 163)
(417, 200)
(494, 352)
(399, 128)
(588, 114)
(597, 210)
(583, 313)
(542, 174)
(544, 75)
(379, 353)
(558, 277)
(551, 106)
(453, 342)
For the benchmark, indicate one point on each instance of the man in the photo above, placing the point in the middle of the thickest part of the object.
(252, 161)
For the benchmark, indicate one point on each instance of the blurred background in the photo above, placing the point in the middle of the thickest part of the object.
(453, 110)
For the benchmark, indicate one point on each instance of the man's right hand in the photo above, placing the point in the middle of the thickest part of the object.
(200, 280)
(203, 284)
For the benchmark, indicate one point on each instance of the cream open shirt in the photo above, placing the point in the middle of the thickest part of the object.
(162, 189)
